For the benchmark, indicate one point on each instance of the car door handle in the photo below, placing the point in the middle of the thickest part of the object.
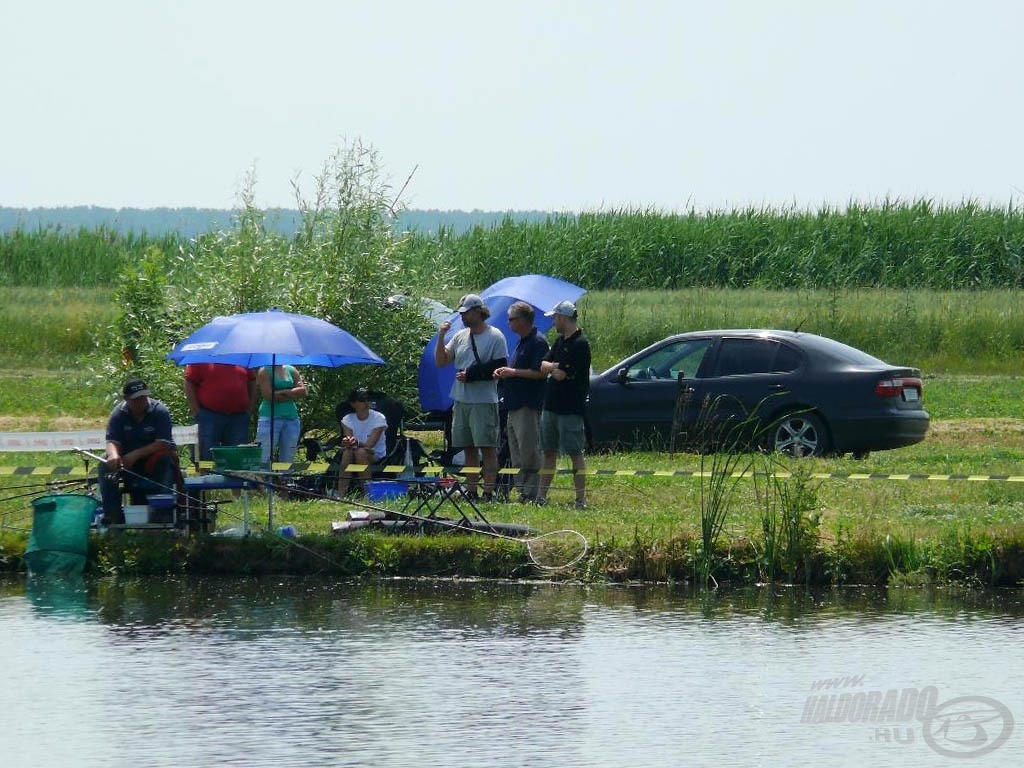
(777, 386)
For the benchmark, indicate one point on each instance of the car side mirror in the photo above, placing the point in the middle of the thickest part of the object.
(622, 376)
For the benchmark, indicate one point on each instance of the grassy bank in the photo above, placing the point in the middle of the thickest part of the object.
(807, 528)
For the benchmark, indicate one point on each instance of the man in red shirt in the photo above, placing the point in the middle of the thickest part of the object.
(221, 398)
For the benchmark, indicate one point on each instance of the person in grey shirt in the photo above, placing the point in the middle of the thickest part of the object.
(477, 351)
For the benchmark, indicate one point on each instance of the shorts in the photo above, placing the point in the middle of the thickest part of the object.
(475, 424)
(562, 432)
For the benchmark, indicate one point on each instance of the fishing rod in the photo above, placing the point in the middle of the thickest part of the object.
(44, 486)
(178, 493)
(196, 501)
(551, 551)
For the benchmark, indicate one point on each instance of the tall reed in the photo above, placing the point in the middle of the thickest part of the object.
(893, 244)
(57, 257)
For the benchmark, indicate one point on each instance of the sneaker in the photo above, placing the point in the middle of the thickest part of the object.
(579, 504)
(540, 502)
(527, 499)
(488, 497)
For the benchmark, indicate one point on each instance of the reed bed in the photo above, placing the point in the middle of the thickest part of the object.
(56, 257)
(894, 244)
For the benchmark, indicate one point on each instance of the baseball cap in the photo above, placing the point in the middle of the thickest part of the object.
(565, 307)
(359, 393)
(135, 388)
(470, 301)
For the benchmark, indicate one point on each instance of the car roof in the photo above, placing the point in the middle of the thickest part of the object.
(808, 341)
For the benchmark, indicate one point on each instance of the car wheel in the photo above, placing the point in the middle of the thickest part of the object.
(799, 435)
(861, 455)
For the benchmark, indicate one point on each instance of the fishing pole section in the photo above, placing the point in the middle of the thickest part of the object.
(549, 551)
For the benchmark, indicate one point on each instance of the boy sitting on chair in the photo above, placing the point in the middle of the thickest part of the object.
(362, 437)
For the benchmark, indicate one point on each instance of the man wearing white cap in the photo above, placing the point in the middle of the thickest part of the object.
(477, 351)
(567, 366)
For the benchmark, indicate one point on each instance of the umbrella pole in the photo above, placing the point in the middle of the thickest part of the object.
(270, 467)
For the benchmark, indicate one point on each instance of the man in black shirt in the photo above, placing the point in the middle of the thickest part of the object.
(567, 366)
(522, 391)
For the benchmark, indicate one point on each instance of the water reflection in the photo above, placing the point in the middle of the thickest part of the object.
(468, 606)
(58, 596)
(314, 672)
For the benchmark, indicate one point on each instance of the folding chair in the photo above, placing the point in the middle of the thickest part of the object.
(399, 449)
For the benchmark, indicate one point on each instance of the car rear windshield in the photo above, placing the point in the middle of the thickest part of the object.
(850, 354)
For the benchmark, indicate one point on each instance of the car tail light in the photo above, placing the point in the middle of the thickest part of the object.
(894, 387)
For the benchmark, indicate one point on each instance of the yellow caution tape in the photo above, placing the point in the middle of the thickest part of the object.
(398, 469)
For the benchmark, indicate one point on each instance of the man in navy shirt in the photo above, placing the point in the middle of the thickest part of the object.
(138, 441)
(522, 390)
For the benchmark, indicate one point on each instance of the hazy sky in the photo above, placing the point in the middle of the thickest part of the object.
(524, 104)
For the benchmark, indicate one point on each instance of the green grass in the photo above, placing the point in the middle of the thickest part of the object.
(647, 527)
(59, 360)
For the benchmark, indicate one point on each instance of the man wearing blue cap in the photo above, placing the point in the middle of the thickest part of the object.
(477, 351)
(567, 366)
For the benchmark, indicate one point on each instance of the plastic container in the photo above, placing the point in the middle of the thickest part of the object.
(382, 490)
(238, 457)
(160, 500)
(136, 514)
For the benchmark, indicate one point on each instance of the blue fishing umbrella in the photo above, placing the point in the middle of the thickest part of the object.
(274, 337)
(540, 291)
(256, 339)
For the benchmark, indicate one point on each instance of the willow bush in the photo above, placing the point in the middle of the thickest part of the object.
(339, 267)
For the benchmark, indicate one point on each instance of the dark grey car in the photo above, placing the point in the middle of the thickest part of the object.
(798, 393)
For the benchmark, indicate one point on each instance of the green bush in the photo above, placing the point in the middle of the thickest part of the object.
(339, 266)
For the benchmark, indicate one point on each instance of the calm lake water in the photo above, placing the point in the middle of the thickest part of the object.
(301, 672)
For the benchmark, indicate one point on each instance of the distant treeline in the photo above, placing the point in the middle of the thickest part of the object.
(894, 245)
(191, 222)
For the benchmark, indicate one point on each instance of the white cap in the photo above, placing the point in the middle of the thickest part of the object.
(470, 301)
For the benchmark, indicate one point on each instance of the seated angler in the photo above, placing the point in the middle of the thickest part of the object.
(140, 451)
(362, 439)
